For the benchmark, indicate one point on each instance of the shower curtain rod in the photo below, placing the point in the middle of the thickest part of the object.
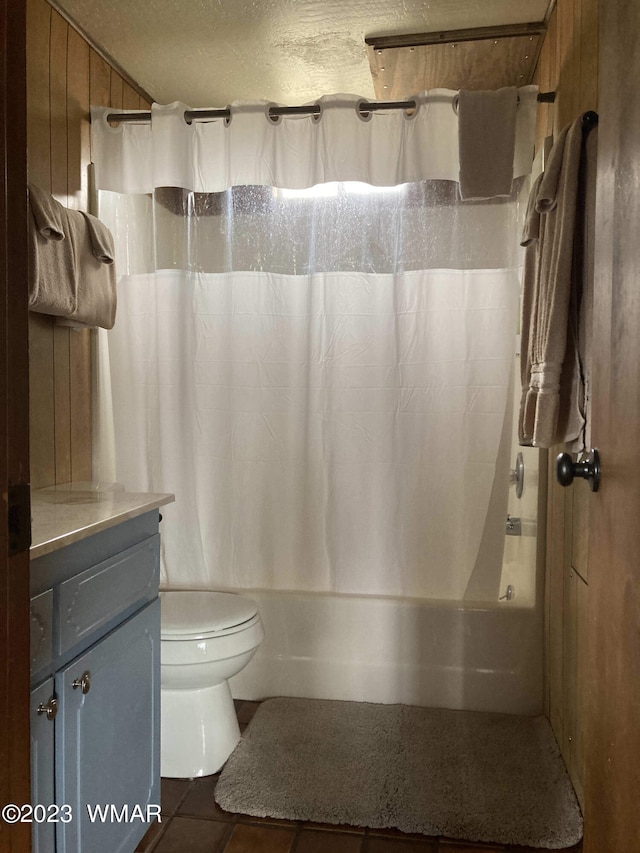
(275, 112)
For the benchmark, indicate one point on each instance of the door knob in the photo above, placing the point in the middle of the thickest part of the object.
(588, 468)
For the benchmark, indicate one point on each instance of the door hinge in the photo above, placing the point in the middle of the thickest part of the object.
(19, 518)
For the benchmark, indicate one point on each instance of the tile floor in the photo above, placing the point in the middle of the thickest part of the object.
(192, 822)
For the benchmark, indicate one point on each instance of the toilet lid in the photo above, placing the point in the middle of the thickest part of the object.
(199, 613)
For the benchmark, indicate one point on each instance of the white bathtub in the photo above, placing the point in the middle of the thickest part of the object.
(428, 653)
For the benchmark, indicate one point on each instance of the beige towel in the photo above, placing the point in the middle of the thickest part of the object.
(52, 281)
(486, 141)
(530, 240)
(574, 421)
(547, 295)
(71, 269)
(48, 215)
(101, 239)
(94, 272)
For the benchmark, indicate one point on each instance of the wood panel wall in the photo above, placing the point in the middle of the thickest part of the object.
(568, 65)
(65, 75)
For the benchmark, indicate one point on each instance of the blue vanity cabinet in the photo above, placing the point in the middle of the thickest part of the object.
(96, 689)
(106, 738)
(43, 713)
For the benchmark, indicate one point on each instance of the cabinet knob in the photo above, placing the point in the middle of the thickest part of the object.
(84, 682)
(49, 708)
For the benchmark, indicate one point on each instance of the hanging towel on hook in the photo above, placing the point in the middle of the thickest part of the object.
(71, 264)
(551, 408)
(95, 273)
(486, 139)
(48, 215)
(52, 278)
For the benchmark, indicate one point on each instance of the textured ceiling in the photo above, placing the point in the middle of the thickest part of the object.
(209, 53)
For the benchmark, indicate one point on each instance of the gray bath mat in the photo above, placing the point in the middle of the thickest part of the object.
(466, 775)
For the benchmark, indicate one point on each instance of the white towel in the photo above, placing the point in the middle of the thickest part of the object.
(486, 141)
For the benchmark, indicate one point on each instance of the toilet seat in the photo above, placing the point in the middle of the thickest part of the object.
(201, 614)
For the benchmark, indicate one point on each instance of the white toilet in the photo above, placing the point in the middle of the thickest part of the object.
(206, 638)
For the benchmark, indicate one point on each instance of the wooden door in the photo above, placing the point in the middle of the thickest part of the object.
(612, 736)
(14, 424)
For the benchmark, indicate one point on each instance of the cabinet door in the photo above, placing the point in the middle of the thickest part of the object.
(42, 758)
(107, 738)
(41, 634)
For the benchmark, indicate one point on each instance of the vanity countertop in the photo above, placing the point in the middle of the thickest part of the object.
(64, 514)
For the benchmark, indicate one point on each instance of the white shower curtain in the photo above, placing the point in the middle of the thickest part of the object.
(320, 376)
